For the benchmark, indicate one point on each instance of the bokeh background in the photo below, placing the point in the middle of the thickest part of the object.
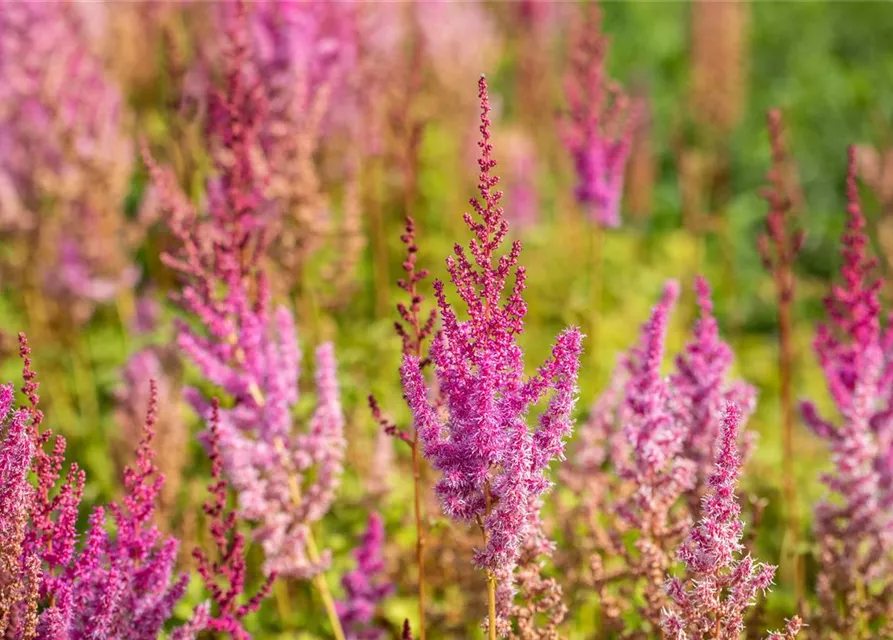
(398, 136)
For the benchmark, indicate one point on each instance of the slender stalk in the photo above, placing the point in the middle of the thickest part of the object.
(779, 247)
(319, 581)
(491, 603)
(785, 368)
(420, 532)
(491, 577)
(595, 293)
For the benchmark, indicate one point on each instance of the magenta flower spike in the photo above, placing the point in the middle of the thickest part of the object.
(655, 468)
(118, 582)
(702, 386)
(854, 525)
(365, 586)
(241, 347)
(491, 464)
(720, 585)
(224, 575)
(597, 130)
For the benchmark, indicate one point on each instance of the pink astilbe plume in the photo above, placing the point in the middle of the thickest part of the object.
(242, 348)
(647, 446)
(491, 464)
(224, 577)
(119, 582)
(365, 586)
(720, 585)
(854, 527)
(701, 383)
(597, 129)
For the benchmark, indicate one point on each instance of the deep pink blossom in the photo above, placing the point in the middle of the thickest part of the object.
(244, 349)
(597, 130)
(365, 586)
(854, 524)
(720, 585)
(491, 464)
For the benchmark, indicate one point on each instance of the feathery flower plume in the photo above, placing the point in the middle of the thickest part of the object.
(597, 129)
(16, 450)
(720, 586)
(171, 433)
(245, 350)
(118, 583)
(224, 577)
(701, 384)
(363, 587)
(491, 464)
(854, 527)
(652, 431)
(65, 158)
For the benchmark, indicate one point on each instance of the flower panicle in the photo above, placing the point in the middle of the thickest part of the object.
(491, 463)
(599, 124)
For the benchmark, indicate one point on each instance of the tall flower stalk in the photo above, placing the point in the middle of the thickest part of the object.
(779, 246)
(285, 479)
(492, 466)
(414, 329)
(854, 525)
(597, 133)
(720, 586)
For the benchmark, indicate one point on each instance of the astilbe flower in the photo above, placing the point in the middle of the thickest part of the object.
(597, 129)
(701, 385)
(116, 584)
(225, 576)
(245, 350)
(364, 587)
(854, 527)
(491, 464)
(171, 433)
(720, 585)
(644, 447)
(304, 57)
(65, 159)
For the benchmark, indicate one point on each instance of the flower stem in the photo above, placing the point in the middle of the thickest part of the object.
(785, 367)
(420, 533)
(595, 304)
(491, 577)
(319, 581)
(491, 603)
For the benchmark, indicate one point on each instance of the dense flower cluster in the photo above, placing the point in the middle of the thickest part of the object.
(598, 126)
(224, 577)
(720, 585)
(243, 348)
(491, 464)
(118, 583)
(364, 587)
(855, 526)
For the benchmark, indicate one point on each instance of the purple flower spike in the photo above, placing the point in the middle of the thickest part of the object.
(363, 586)
(491, 464)
(242, 347)
(854, 527)
(719, 586)
(598, 128)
